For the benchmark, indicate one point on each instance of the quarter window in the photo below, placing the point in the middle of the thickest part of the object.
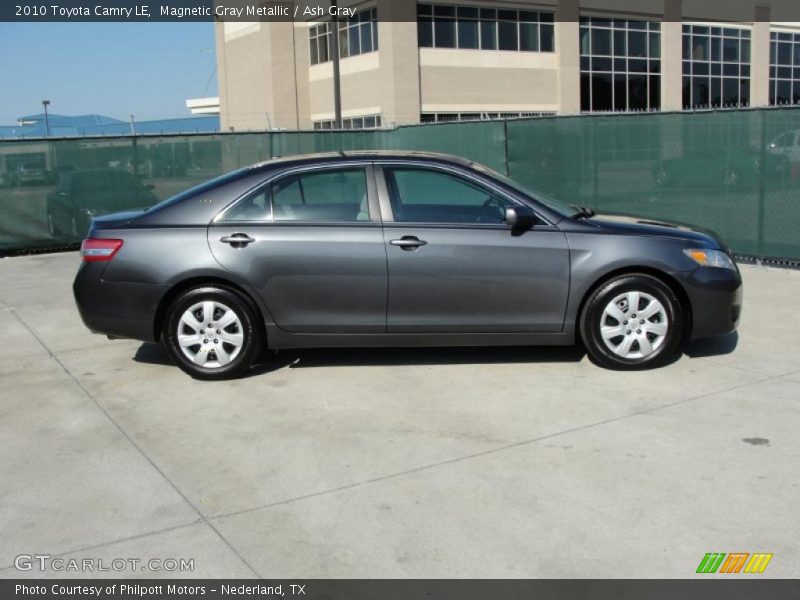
(428, 196)
(336, 196)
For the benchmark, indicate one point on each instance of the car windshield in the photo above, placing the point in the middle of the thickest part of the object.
(548, 201)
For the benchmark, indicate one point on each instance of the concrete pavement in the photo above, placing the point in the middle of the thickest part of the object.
(487, 462)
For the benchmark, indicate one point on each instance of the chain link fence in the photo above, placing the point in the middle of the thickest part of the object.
(736, 172)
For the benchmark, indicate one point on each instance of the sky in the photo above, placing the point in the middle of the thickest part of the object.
(113, 69)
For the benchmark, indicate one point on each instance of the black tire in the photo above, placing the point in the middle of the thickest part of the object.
(592, 318)
(250, 327)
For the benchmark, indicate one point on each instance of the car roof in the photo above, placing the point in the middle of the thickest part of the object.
(323, 157)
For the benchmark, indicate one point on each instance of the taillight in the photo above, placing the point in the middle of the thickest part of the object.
(97, 249)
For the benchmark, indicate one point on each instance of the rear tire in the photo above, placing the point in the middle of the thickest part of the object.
(212, 333)
(634, 321)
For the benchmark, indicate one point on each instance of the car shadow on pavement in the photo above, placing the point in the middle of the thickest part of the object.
(716, 346)
(155, 354)
(298, 359)
(152, 354)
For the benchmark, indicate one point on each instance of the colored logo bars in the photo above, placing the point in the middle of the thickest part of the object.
(714, 562)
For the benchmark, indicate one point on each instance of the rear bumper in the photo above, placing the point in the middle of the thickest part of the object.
(125, 310)
(716, 299)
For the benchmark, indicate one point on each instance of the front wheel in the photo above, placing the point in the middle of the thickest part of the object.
(212, 333)
(632, 322)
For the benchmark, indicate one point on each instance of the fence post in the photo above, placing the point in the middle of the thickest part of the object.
(505, 142)
(595, 170)
(762, 183)
(135, 153)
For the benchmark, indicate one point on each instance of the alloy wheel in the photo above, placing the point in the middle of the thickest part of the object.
(210, 334)
(634, 325)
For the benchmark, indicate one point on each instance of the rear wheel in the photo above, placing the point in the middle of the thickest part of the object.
(632, 322)
(212, 333)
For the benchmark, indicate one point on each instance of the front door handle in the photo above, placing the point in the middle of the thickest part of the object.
(408, 242)
(237, 240)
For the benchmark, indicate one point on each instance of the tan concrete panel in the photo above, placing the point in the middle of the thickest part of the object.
(359, 90)
(442, 85)
(248, 72)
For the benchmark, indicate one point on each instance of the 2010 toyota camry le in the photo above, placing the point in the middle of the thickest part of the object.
(396, 249)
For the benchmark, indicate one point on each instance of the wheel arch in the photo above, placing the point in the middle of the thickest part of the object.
(662, 276)
(201, 281)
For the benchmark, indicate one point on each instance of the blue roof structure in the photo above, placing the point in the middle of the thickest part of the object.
(65, 121)
(34, 126)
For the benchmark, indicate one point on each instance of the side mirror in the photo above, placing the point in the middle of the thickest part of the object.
(519, 218)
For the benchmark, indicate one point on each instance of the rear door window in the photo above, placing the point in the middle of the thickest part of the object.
(327, 196)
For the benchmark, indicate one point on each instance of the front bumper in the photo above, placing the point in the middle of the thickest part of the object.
(125, 310)
(716, 299)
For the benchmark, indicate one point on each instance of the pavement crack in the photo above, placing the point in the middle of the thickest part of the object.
(488, 452)
(117, 541)
(130, 439)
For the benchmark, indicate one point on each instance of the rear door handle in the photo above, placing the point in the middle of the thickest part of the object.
(237, 240)
(408, 242)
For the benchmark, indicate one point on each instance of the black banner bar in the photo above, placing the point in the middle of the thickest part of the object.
(66, 11)
(738, 588)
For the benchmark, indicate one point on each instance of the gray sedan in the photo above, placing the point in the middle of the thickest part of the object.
(396, 249)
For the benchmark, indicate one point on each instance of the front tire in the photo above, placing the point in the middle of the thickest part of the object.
(632, 322)
(212, 333)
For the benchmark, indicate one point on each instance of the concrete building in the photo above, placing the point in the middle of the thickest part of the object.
(405, 62)
(203, 106)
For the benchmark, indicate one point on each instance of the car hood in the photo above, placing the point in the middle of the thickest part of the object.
(635, 225)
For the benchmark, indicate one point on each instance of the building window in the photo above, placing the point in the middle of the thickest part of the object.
(784, 68)
(367, 122)
(453, 117)
(320, 43)
(620, 65)
(473, 28)
(716, 66)
(357, 35)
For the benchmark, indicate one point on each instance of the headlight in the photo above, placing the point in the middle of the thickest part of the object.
(710, 258)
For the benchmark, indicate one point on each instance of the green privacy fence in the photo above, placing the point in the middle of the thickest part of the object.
(736, 172)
